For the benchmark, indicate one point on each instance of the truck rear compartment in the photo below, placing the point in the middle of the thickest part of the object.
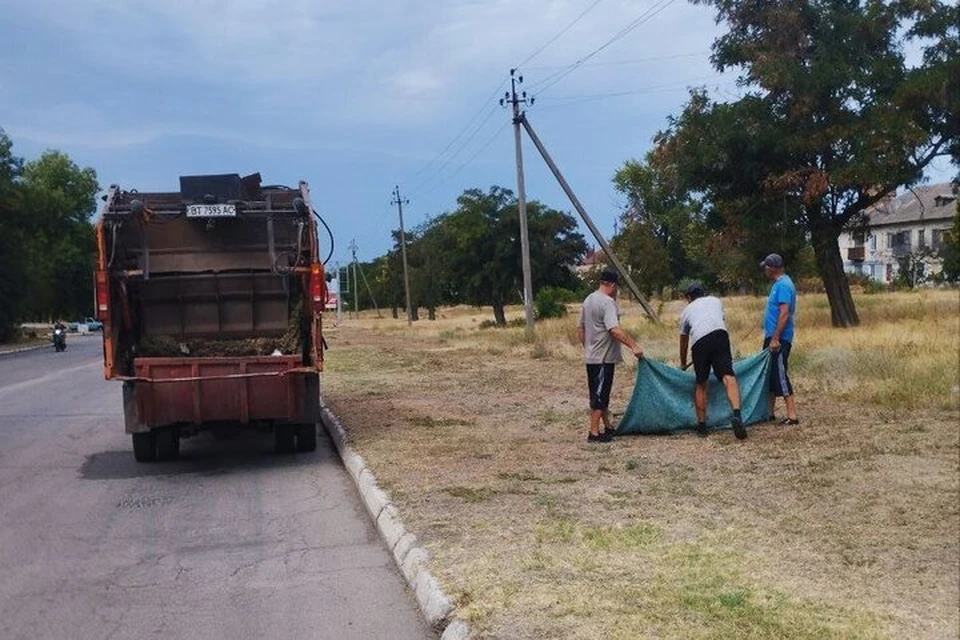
(212, 321)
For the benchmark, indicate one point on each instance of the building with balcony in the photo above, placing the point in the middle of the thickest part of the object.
(902, 229)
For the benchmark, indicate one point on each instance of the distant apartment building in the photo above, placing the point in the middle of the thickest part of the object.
(909, 225)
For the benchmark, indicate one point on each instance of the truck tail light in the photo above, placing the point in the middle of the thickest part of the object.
(317, 285)
(103, 296)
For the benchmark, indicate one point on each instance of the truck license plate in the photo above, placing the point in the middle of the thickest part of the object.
(211, 210)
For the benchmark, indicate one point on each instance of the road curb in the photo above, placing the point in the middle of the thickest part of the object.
(411, 559)
(23, 349)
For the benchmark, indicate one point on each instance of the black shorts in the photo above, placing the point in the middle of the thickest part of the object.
(599, 383)
(712, 351)
(779, 380)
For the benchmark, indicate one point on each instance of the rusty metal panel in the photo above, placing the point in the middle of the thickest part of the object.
(220, 400)
(161, 404)
(195, 390)
(215, 305)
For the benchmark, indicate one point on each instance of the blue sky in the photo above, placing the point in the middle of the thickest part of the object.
(352, 97)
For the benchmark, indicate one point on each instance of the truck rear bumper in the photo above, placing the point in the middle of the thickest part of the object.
(198, 391)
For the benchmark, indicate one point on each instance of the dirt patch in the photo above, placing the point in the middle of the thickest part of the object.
(844, 527)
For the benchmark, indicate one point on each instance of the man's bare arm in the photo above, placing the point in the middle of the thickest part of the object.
(622, 336)
(782, 318)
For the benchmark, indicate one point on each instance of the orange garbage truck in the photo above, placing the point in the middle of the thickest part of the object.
(211, 299)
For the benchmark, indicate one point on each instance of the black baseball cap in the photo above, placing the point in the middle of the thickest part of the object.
(610, 276)
(694, 289)
(774, 261)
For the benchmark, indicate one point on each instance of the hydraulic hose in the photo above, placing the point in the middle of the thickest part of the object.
(329, 232)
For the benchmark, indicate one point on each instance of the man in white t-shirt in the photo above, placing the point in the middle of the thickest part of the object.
(601, 335)
(702, 323)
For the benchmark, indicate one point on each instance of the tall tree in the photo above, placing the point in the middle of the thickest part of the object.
(835, 116)
(658, 214)
(642, 251)
(58, 198)
(12, 258)
(430, 277)
(482, 256)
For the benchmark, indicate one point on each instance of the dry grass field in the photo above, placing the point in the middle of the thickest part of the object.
(847, 526)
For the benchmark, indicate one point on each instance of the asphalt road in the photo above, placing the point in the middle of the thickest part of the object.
(232, 541)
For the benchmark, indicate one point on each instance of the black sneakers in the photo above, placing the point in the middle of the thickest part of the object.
(789, 422)
(702, 430)
(599, 437)
(738, 429)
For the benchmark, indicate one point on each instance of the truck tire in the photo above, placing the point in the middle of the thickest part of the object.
(144, 447)
(306, 438)
(284, 438)
(168, 443)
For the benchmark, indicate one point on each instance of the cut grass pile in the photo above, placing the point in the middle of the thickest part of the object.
(845, 527)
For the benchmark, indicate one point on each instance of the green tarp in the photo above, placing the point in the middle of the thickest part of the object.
(662, 399)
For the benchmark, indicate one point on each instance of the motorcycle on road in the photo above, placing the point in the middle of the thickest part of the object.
(60, 339)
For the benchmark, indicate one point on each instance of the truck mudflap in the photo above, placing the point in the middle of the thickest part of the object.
(167, 391)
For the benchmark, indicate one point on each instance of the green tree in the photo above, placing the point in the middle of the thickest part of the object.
(481, 248)
(12, 258)
(58, 198)
(429, 266)
(643, 253)
(834, 117)
(659, 210)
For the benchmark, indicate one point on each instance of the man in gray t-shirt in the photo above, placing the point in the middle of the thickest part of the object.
(601, 335)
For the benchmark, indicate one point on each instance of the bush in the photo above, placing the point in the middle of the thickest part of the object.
(872, 286)
(680, 290)
(858, 280)
(810, 285)
(550, 302)
(492, 324)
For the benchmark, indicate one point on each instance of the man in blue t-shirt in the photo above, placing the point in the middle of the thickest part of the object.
(778, 334)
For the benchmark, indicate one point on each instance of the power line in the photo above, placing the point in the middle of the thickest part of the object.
(488, 101)
(558, 35)
(603, 96)
(614, 63)
(382, 219)
(613, 94)
(460, 148)
(554, 78)
(644, 17)
(468, 162)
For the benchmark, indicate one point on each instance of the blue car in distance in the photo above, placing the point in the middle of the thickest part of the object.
(92, 325)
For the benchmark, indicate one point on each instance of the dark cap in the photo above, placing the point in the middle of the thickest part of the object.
(694, 289)
(774, 261)
(609, 276)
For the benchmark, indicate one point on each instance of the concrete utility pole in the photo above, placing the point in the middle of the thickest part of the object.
(515, 102)
(356, 298)
(366, 283)
(586, 218)
(339, 297)
(397, 200)
(345, 287)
